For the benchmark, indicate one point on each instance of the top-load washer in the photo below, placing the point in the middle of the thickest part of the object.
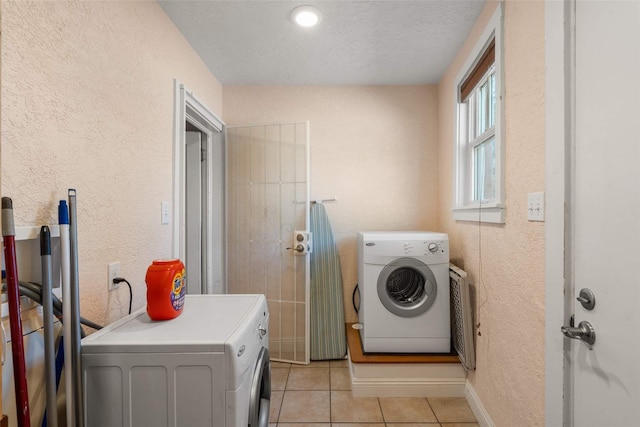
(403, 279)
(207, 367)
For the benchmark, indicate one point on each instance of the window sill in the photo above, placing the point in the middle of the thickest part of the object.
(493, 213)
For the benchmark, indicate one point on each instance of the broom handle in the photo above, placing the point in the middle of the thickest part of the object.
(69, 369)
(49, 341)
(13, 297)
(75, 309)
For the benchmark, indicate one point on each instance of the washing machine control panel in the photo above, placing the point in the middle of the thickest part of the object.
(408, 248)
(379, 247)
(260, 328)
(433, 250)
(436, 250)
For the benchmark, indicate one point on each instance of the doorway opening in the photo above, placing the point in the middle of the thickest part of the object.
(198, 193)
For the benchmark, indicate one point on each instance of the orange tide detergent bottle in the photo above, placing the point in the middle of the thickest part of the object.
(166, 288)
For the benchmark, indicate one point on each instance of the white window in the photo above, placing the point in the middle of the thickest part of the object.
(479, 142)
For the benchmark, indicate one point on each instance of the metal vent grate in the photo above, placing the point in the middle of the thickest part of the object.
(461, 317)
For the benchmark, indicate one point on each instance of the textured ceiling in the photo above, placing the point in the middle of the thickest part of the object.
(357, 42)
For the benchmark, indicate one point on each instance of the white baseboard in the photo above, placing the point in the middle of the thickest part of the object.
(478, 409)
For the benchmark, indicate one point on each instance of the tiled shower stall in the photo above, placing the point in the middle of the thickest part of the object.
(267, 200)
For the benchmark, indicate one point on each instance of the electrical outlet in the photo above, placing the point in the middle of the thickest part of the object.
(113, 271)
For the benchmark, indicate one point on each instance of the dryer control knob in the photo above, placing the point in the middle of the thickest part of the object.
(433, 248)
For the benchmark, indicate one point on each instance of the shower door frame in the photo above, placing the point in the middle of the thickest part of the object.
(307, 219)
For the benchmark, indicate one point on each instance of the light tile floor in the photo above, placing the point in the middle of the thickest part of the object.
(319, 395)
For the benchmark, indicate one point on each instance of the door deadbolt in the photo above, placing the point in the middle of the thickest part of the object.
(587, 299)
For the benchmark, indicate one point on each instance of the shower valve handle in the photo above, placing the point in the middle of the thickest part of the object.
(299, 248)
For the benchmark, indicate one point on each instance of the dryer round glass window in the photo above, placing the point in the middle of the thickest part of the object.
(407, 287)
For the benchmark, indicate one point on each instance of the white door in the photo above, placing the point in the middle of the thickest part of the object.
(194, 227)
(605, 214)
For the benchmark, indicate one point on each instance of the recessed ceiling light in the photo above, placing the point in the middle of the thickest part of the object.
(306, 16)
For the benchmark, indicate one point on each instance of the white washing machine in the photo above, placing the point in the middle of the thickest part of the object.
(403, 279)
(207, 367)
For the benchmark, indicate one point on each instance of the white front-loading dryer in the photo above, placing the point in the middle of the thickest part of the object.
(208, 367)
(403, 279)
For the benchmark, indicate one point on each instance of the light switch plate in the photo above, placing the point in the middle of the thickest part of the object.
(535, 206)
(164, 212)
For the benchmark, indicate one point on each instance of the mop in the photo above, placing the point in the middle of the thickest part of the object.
(13, 297)
(76, 334)
(63, 220)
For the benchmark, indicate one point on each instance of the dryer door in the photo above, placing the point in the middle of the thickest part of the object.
(260, 398)
(407, 287)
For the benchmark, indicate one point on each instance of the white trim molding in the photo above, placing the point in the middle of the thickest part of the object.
(478, 409)
(559, 18)
(493, 210)
(187, 107)
(490, 212)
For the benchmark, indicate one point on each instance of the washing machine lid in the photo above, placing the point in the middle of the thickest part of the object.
(206, 324)
(407, 287)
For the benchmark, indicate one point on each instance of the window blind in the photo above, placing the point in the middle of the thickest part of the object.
(487, 59)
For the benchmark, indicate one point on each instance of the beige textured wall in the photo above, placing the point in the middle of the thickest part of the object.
(506, 262)
(373, 148)
(87, 103)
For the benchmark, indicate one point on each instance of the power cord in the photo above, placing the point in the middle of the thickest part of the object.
(117, 280)
(353, 298)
